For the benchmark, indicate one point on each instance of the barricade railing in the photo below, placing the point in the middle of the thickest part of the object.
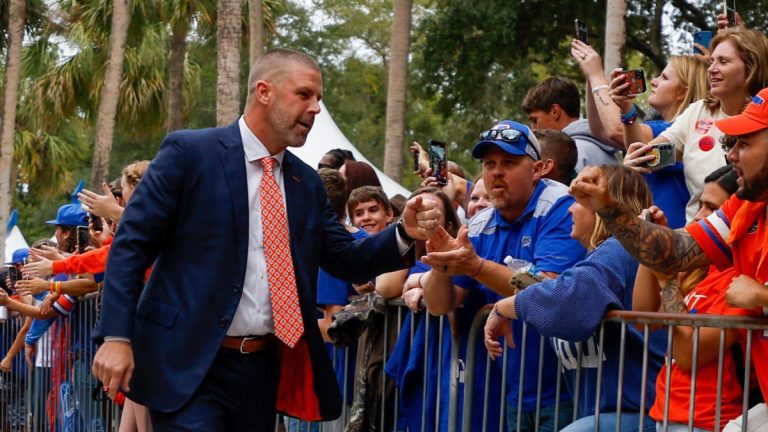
(57, 391)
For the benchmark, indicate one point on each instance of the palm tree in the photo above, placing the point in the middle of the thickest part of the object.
(11, 86)
(615, 33)
(105, 121)
(180, 14)
(256, 28)
(396, 89)
(228, 39)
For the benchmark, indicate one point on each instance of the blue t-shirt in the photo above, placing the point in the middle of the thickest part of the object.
(541, 235)
(602, 282)
(333, 291)
(667, 185)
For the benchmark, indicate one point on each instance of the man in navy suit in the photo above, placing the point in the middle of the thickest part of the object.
(195, 344)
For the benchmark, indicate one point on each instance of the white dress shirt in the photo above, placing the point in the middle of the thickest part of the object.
(254, 312)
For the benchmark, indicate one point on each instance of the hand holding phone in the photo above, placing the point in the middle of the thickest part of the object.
(438, 161)
(664, 156)
(636, 80)
(729, 9)
(581, 30)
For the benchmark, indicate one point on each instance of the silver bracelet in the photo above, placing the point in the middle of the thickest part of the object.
(600, 87)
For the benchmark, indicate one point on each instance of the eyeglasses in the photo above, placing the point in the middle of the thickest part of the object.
(509, 135)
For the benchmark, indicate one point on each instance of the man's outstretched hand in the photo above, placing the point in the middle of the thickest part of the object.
(421, 217)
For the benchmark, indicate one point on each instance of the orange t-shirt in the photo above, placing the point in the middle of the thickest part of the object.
(708, 297)
(736, 235)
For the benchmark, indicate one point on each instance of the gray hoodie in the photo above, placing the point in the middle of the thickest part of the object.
(591, 150)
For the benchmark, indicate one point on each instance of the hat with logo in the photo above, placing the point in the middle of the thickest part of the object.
(752, 119)
(511, 137)
(70, 215)
(19, 256)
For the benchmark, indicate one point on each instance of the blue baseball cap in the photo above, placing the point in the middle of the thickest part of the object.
(19, 256)
(510, 136)
(70, 215)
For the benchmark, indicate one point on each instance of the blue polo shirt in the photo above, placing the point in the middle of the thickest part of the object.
(540, 235)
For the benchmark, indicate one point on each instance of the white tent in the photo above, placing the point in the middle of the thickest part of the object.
(324, 136)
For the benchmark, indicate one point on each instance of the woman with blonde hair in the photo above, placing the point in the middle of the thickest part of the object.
(603, 281)
(682, 82)
(738, 69)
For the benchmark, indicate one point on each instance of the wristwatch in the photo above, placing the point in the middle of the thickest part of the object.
(400, 226)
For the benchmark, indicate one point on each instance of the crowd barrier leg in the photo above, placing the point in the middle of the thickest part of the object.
(720, 365)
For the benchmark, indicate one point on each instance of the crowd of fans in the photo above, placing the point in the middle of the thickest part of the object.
(517, 211)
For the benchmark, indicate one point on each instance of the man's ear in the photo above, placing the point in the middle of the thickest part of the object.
(263, 91)
(538, 170)
(555, 111)
(547, 165)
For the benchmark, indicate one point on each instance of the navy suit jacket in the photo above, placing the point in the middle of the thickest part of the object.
(189, 218)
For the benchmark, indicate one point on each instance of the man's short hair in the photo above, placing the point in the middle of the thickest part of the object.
(561, 148)
(336, 188)
(271, 66)
(551, 91)
(365, 194)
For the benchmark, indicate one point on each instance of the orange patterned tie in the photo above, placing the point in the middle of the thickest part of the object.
(277, 250)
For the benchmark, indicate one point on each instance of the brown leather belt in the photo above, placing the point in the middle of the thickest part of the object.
(247, 345)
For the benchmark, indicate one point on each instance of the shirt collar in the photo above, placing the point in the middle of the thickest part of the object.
(255, 149)
(530, 207)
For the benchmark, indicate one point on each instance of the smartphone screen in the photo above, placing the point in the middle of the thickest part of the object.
(438, 161)
(83, 238)
(581, 30)
(415, 155)
(636, 80)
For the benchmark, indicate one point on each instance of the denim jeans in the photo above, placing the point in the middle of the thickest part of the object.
(676, 427)
(546, 418)
(608, 423)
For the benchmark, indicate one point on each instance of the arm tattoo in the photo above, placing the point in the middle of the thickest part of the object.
(600, 98)
(654, 246)
(671, 298)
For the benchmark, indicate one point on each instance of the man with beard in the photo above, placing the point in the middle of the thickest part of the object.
(529, 220)
(224, 333)
(735, 235)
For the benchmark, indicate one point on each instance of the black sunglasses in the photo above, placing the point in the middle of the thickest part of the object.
(509, 135)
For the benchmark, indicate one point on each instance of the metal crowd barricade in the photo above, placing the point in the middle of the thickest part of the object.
(58, 392)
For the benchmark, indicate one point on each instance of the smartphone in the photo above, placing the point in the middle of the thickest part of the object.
(636, 80)
(438, 161)
(664, 156)
(14, 275)
(96, 222)
(415, 155)
(702, 38)
(581, 30)
(83, 238)
(729, 8)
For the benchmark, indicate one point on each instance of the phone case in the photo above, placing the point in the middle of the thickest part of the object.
(664, 156)
(636, 80)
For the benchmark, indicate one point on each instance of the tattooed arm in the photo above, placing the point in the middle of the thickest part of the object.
(655, 246)
(671, 297)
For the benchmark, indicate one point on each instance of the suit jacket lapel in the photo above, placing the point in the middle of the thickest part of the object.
(233, 161)
(294, 197)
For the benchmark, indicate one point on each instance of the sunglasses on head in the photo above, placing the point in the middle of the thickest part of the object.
(509, 135)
